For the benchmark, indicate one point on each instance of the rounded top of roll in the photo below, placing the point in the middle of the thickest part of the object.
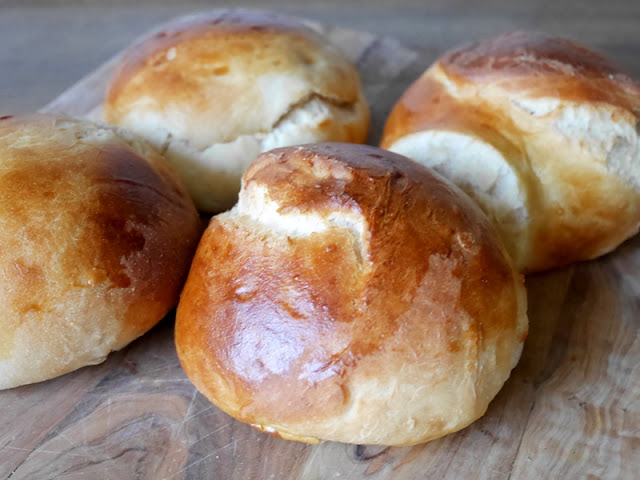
(229, 73)
(96, 237)
(541, 132)
(351, 295)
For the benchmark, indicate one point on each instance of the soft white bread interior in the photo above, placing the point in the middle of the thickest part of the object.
(96, 239)
(541, 132)
(351, 295)
(214, 91)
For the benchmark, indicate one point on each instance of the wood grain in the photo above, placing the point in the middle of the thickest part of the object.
(570, 409)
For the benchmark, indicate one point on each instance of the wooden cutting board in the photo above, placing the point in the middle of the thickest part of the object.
(570, 410)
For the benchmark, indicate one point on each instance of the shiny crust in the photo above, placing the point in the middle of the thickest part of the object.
(518, 62)
(578, 209)
(395, 321)
(229, 75)
(208, 46)
(96, 237)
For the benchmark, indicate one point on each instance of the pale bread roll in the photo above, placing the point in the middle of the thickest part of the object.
(541, 132)
(215, 91)
(96, 238)
(351, 295)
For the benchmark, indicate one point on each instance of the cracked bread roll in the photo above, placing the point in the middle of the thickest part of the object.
(216, 90)
(541, 132)
(350, 295)
(96, 239)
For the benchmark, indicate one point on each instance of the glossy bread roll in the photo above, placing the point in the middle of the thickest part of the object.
(351, 295)
(541, 132)
(216, 90)
(96, 238)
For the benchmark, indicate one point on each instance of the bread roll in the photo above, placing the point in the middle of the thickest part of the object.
(96, 237)
(541, 132)
(350, 295)
(216, 90)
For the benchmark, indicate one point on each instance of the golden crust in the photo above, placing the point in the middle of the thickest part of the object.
(396, 334)
(530, 64)
(234, 81)
(579, 206)
(541, 65)
(215, 74)
(96, 236)
(208, 47)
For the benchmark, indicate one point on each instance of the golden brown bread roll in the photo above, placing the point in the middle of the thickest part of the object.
(350, 295)
(96, 238)
(541, 132)
(216, 90)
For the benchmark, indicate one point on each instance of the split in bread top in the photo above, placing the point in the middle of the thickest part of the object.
(351, 295)
(541, 133)
(215, 91)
